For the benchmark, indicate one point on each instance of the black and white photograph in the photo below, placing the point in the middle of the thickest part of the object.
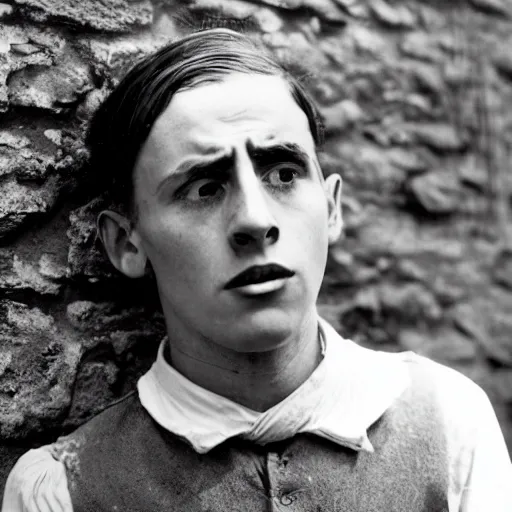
(255, 255)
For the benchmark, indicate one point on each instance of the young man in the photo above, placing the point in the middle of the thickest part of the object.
(207, 151)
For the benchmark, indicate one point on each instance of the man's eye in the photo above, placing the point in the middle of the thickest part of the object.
(204, 189)
(282, 176)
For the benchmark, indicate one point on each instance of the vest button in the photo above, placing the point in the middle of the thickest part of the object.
(288, 498)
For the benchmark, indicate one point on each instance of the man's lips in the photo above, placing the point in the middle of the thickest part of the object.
(259, 274)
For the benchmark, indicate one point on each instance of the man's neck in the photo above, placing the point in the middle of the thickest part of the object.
(257, 381)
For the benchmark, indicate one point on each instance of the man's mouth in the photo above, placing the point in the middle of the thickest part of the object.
(259, 274)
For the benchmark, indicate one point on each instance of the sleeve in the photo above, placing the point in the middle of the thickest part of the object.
(37, 483)
(489, 482)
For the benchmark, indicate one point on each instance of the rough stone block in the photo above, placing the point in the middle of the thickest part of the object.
(437, 192)
(502, 58)
(439, 137)
(94, 389)
(17, 51)
(365, 40)
(422, 46)
(384, 231)
(13, 140)
(54, 135)
(19, 203)
(325, 9)
(365, 168)
(502, 268)
(500, 7)
(501, 381)
(427, 78)
(472, 172)
(355, 8)
(413, 162)
(49, 153)
(88, 316)
(410, 302)
(235, 14)
(267, 20)
(103, 15)
(488, 320)
(90, 103)
(393, 15)
(345, 270)
(36, 383)
(24, 163)
(341, 116)
(443, 344)
(114, 57)
(16, 274)
(296, 53)
(86, 257)
(53, 88)
(5, 10)
(450, 287)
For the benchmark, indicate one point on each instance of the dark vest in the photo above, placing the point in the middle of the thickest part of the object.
(122, 460)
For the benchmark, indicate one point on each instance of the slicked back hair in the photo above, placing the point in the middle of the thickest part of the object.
(121, 125)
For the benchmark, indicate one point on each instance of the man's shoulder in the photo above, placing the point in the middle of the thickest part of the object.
(414, 389)
(422, 379)
(438, 394)
(114, 437)
(110, 419)
(429, 376)
(36, 482)
(104, 428)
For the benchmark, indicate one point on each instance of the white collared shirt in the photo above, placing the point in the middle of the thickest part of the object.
(341, 415)
(350, 389)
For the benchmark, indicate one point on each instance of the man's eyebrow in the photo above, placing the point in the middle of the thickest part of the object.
(279, 152)
(262, 156)
(198, 169)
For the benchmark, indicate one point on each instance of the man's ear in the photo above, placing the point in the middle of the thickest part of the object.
(335, 221)
(122, 243)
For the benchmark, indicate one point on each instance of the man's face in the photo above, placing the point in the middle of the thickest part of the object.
(228, 180)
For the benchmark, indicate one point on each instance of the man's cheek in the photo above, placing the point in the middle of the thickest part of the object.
(314, 225)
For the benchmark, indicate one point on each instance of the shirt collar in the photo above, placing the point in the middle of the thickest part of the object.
(349, 390)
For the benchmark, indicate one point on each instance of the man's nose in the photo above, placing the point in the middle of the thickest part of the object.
(252, 223)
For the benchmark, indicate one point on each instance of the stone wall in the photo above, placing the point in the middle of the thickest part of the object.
(417, 102)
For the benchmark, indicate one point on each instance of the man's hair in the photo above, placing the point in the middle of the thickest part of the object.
(123, 122)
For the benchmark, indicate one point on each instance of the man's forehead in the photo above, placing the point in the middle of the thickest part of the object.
(213, 120)
(236, 99)
(212, 148)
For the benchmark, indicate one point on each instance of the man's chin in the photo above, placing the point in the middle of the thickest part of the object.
(262, 331)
